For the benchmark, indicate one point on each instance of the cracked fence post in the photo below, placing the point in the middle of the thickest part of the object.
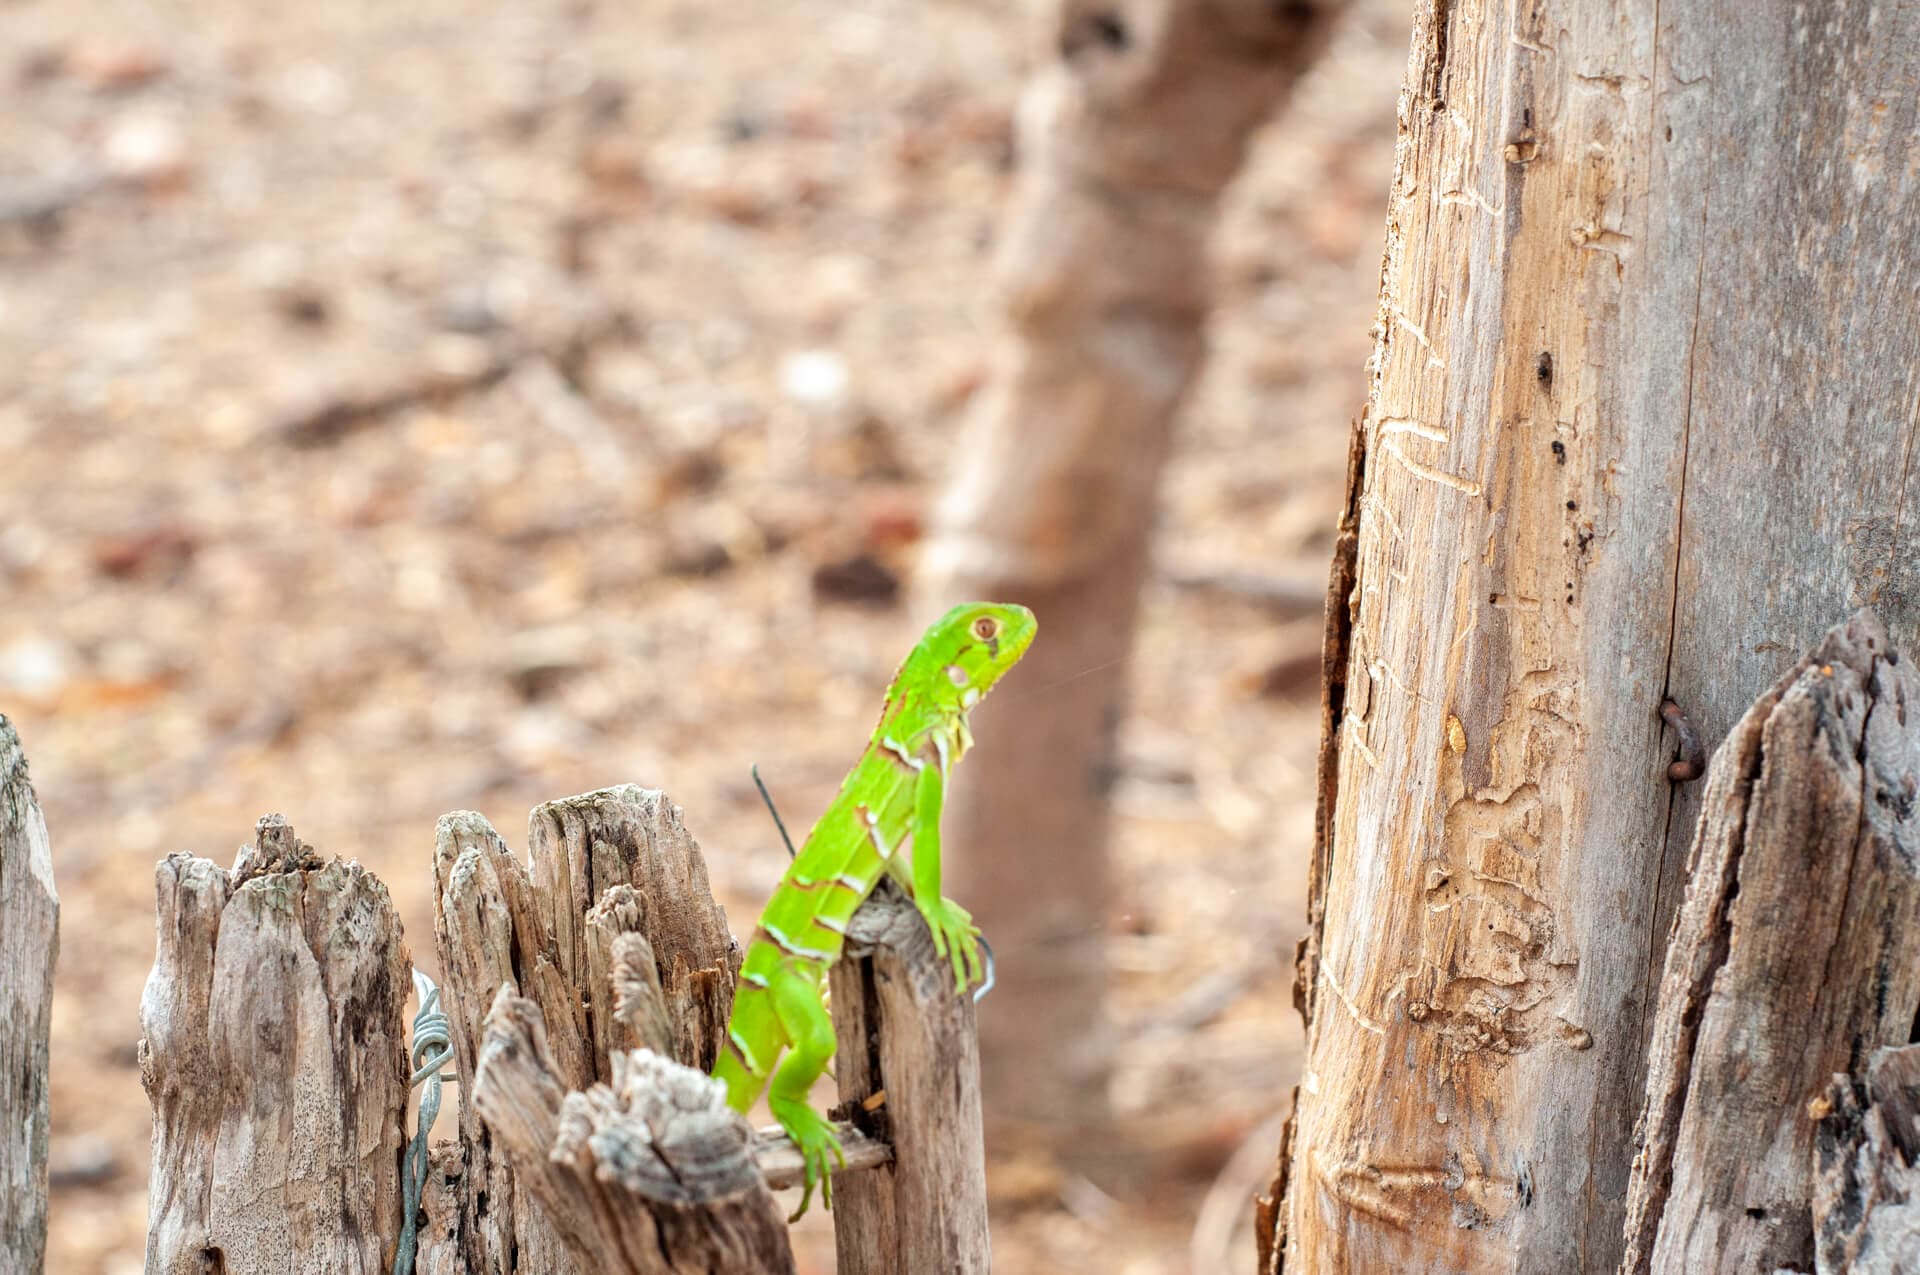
(29, 944)
(274, 1054)
(1795, 955)
(907, 1039)
(609, 930)
(648, 1174)
(1639, 400)
(593, 1138)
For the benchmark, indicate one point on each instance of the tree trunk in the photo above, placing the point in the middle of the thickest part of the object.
(29, 944)
(1645, 385)
(1128, 136)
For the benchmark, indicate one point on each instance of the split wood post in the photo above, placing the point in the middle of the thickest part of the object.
(1645, 367)
(1140, 116)
(603, 867)
(562, 1157)
(274, 1054)
(1795, 955)
(650, 1174)
(904, 1035)
(29, 945)
(1866, 1202)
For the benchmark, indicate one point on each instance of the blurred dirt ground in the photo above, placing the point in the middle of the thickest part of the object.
(414, 408)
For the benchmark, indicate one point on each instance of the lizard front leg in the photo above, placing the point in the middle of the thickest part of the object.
(955, 936)
(803, 1016)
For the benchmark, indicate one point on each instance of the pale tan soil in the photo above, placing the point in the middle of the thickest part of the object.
(513, 592)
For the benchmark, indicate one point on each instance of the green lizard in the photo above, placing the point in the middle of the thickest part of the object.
(893, 793)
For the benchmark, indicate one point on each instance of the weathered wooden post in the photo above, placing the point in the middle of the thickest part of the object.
(905, 1037)
(587, 990)
(29, 944)
(654, 959)
(1795, 955)
(1641, 376)
(275, 1057)
(605, 869)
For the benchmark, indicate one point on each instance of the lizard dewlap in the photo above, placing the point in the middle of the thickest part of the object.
(885, 821)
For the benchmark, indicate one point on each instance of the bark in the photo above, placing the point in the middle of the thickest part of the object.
(1128, 135)
(1645, 377)
(274, 1055)
(29, 945)
(907, 1039)
(612, 934)
(1795, 954)
(1866, 1206)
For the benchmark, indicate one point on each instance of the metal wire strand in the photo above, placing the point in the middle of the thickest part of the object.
(432, 1049)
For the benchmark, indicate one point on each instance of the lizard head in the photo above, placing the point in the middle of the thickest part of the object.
(971, 646)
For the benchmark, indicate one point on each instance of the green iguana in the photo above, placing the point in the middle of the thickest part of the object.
(893, 794)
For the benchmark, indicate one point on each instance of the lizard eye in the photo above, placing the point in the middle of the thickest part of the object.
(986, 628)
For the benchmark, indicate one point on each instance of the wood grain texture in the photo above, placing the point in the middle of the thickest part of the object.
(903, 1031)
(1642, 402)
(648, 1174)
(610, 930)
(581, 847)
(1795, 954)
(29, 946)
(489, 931)
(274, 1055)
(1138, 118)
(1866, 1203)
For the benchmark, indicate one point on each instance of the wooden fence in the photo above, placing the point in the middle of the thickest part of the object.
(587, 988)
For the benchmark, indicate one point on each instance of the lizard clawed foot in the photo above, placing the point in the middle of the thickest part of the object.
(813, 1134)
(956, 938)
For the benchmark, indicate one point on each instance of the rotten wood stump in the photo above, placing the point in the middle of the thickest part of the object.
(1795, 955)
(274, 1054)
(1622, 441)
(29, 945)
(649, 1172)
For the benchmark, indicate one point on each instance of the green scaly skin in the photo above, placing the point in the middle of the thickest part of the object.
(893, 794)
